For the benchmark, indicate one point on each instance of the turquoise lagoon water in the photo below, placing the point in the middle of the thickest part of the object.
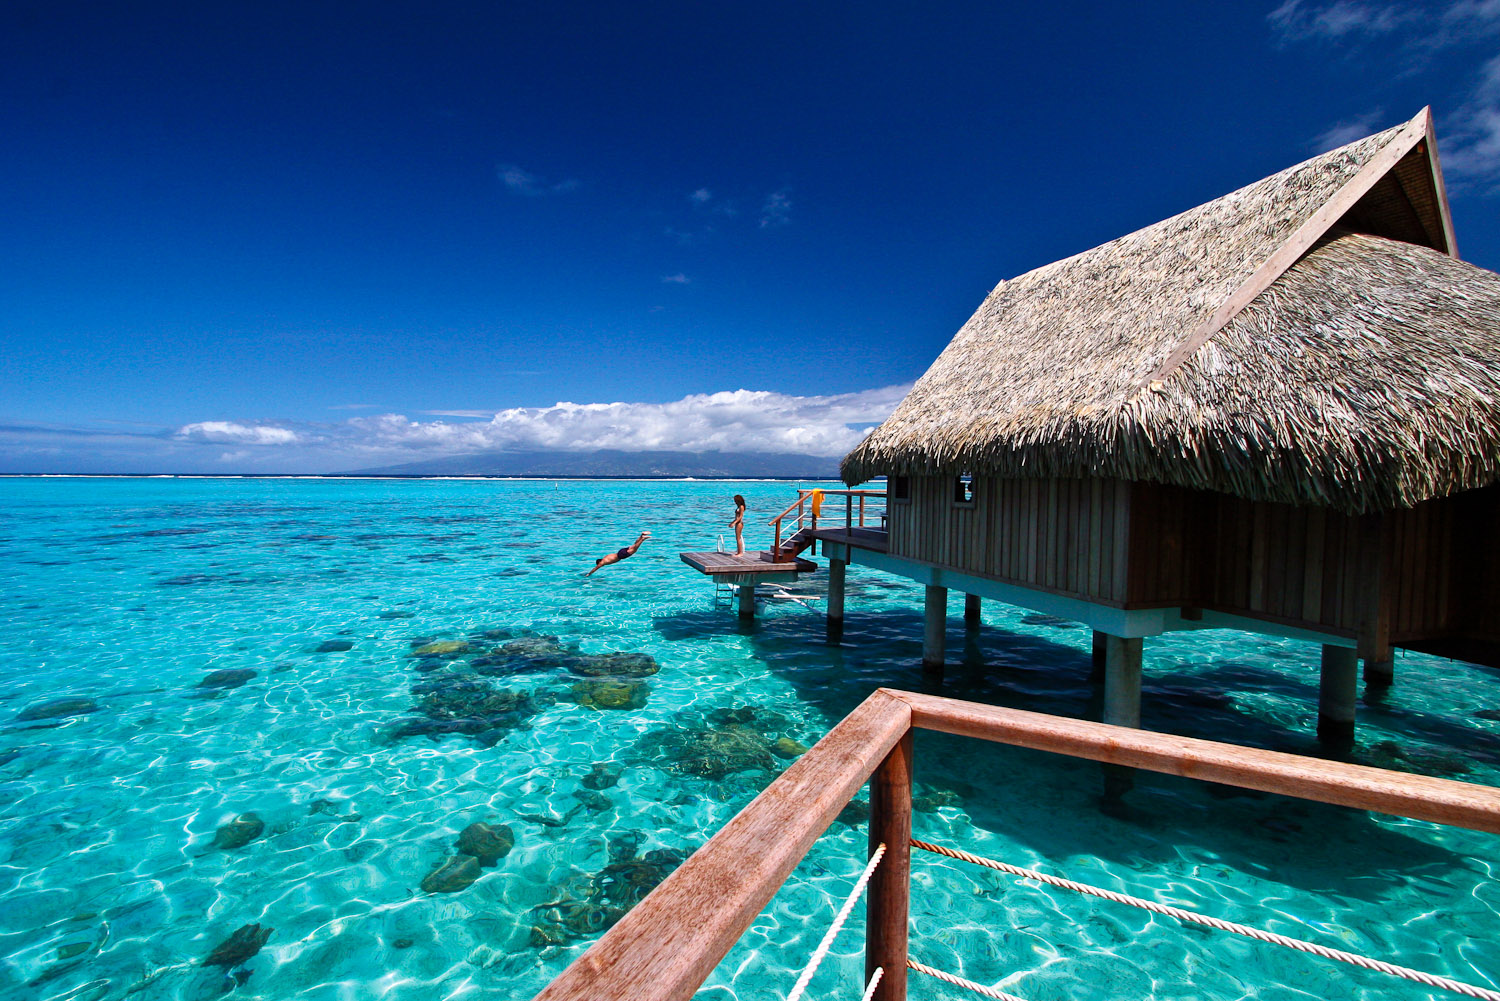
(131, 593)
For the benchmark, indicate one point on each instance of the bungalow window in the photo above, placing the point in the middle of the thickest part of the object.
(963, 489)
(899, 488)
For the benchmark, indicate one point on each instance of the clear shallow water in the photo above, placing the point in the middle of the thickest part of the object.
(131, 592)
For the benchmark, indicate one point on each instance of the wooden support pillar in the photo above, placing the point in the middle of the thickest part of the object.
(1380, 672)
(1122, 681)
(1375, 591)
(747, 601)
(1338, 684)
(972, 617)
(886, 912)
(1100, 644)
(935, 625)
(837, 573)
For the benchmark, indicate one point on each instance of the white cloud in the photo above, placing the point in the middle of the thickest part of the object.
(1350, 129)
(1299, 20)
(678, 279)
(1471, 133)
(776, 210)
(524, 182)
(233, 433)
(738, 420)
(701, 197)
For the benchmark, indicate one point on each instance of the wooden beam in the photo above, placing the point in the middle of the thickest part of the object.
(1373, 594)
(888, 905)
(667, 945)
(1420, 797)
(1441, 189)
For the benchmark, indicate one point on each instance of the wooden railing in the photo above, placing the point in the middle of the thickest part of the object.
(666, 947)
(854, 513)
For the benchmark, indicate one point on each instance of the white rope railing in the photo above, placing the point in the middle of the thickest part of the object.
(989, 992)
(874, 983)
(838, 923)
(1192, 917)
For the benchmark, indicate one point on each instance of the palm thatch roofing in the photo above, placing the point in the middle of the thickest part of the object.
(1311, 339)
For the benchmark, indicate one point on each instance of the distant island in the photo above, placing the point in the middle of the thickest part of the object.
(614, 462)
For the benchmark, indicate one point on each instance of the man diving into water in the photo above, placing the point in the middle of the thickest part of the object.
(621, 554)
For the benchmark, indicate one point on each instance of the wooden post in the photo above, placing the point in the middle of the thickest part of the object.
(971, 611)
(886, 912)
(837, 572)
(1374, 595)
(1122, 681)
(747, 601)
(935, 624)
(1100, 643)
(1337, 690)
(1380, 673)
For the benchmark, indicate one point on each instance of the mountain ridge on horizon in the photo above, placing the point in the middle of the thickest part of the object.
(614, 462)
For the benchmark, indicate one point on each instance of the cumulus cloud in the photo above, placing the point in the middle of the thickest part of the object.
(234, 433)
(776, 210)
(523, 182)
(738, 420)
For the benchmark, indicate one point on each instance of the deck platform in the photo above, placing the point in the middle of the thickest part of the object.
(874, 539)
(750, 568)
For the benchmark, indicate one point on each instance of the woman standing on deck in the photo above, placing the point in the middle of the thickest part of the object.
(738, 524)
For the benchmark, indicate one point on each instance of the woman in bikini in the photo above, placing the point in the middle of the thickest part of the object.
(738, 524)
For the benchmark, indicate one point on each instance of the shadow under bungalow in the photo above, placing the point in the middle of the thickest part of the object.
(1276, 412)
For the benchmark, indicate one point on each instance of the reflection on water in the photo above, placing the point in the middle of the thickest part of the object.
(334, 739)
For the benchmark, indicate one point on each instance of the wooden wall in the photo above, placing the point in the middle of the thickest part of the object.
(1067, 536)
(1142, 545)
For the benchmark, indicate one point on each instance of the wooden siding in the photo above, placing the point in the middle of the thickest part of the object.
(1142, 545)
(1067, 536)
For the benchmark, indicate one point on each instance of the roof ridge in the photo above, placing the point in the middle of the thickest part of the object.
(1291, 250)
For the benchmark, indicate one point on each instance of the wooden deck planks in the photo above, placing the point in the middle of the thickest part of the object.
(715, 563)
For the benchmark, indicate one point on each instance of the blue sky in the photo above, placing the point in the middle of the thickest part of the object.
(317, 237)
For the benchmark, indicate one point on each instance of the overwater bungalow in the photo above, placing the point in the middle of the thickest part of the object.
(1278, 412)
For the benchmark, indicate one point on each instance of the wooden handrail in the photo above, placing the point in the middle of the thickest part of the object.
(802, 496)
(1442, 801)
(667, 945)
(670, 942)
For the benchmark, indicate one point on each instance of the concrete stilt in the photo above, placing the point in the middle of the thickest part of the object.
(747, 601)
(1122, 707)
(837, 572)
(1122, 681)
(1097, 674)
(971, 611)
(935, 623)
(1338, 684)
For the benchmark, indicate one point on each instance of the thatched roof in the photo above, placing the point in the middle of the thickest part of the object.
(1252, 345)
